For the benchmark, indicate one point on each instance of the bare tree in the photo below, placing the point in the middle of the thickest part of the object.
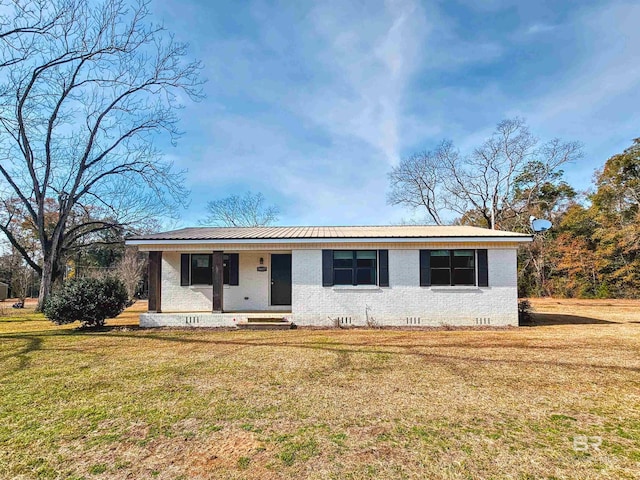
(236, 211)
(15, 272)
(79, 113)
(21, 22)
(20, 282)
(130, 270)
(500, 180)
(415, 183)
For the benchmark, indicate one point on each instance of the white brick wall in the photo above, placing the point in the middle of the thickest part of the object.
(181, 299)
(314, 304)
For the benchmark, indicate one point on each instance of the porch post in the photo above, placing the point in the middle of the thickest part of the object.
(155, 282)
(218, 280)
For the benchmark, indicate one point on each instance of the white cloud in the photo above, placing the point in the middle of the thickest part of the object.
(611, 38)
(537, 28)
(370, 62)
(594, 99)
(361, 76)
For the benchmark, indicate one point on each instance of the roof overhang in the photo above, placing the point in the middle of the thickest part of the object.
(244, 241)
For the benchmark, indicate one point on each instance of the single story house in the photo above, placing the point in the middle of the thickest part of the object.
(325, 276)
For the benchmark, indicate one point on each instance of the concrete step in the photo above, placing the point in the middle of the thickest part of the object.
(252, 324)
(266, 319)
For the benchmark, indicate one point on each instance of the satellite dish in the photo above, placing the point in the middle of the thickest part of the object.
(540, 224)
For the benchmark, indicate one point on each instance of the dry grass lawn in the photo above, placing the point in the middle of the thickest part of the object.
(324, 404)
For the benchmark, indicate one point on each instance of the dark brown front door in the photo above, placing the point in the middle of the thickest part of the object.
(281, 279)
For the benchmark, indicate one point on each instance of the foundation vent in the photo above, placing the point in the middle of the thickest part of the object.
(192, 319)
(483, 321)
(413, 320)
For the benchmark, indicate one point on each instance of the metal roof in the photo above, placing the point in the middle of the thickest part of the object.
(353, 232)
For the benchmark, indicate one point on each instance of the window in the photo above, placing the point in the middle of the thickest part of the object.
(440, 267)
(464, 267)
(201, 270)
(354, 267)
(197, 269)
(452, 267)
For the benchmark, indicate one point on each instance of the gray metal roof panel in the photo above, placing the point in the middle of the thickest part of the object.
(320, 232)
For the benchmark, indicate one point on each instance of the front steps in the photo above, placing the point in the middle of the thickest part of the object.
(265, 323)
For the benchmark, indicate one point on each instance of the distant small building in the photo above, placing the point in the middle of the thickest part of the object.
(4, 291)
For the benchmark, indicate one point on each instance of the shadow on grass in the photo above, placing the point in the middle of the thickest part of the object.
(366, 348)
(546, 319)
(34, 341)
(342, 346)
(106, 328)
(33, 344)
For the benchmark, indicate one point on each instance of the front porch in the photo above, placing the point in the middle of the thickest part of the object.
(219, 288)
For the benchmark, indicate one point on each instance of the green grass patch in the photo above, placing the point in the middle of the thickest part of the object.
(97, 469)
(301, 451)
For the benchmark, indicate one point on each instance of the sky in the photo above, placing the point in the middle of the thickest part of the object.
(312, 103)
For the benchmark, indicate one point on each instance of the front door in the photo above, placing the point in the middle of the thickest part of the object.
(281, 279)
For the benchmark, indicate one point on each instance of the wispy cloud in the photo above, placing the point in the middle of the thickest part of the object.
(313, 103)
(326, 112)
(537, 28)
(611, 37)
(592, 100)
(370, 63)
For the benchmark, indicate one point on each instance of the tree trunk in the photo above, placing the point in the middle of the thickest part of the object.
(46, 280)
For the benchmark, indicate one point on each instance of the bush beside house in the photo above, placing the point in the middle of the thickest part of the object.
(87, 300)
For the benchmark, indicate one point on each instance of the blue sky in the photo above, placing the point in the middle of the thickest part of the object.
(312, 103)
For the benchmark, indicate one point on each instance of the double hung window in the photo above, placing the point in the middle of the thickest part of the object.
(354, 267)
(453, 267)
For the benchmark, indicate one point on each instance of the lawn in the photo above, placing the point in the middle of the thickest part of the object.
(560, 399)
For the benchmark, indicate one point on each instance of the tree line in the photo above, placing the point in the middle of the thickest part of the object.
(593, 249)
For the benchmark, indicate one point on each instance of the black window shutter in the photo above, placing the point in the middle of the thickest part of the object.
(383, 259)
(234, 269)
(327, 268)
(483, 268)
(425, 268)
(185, 264)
